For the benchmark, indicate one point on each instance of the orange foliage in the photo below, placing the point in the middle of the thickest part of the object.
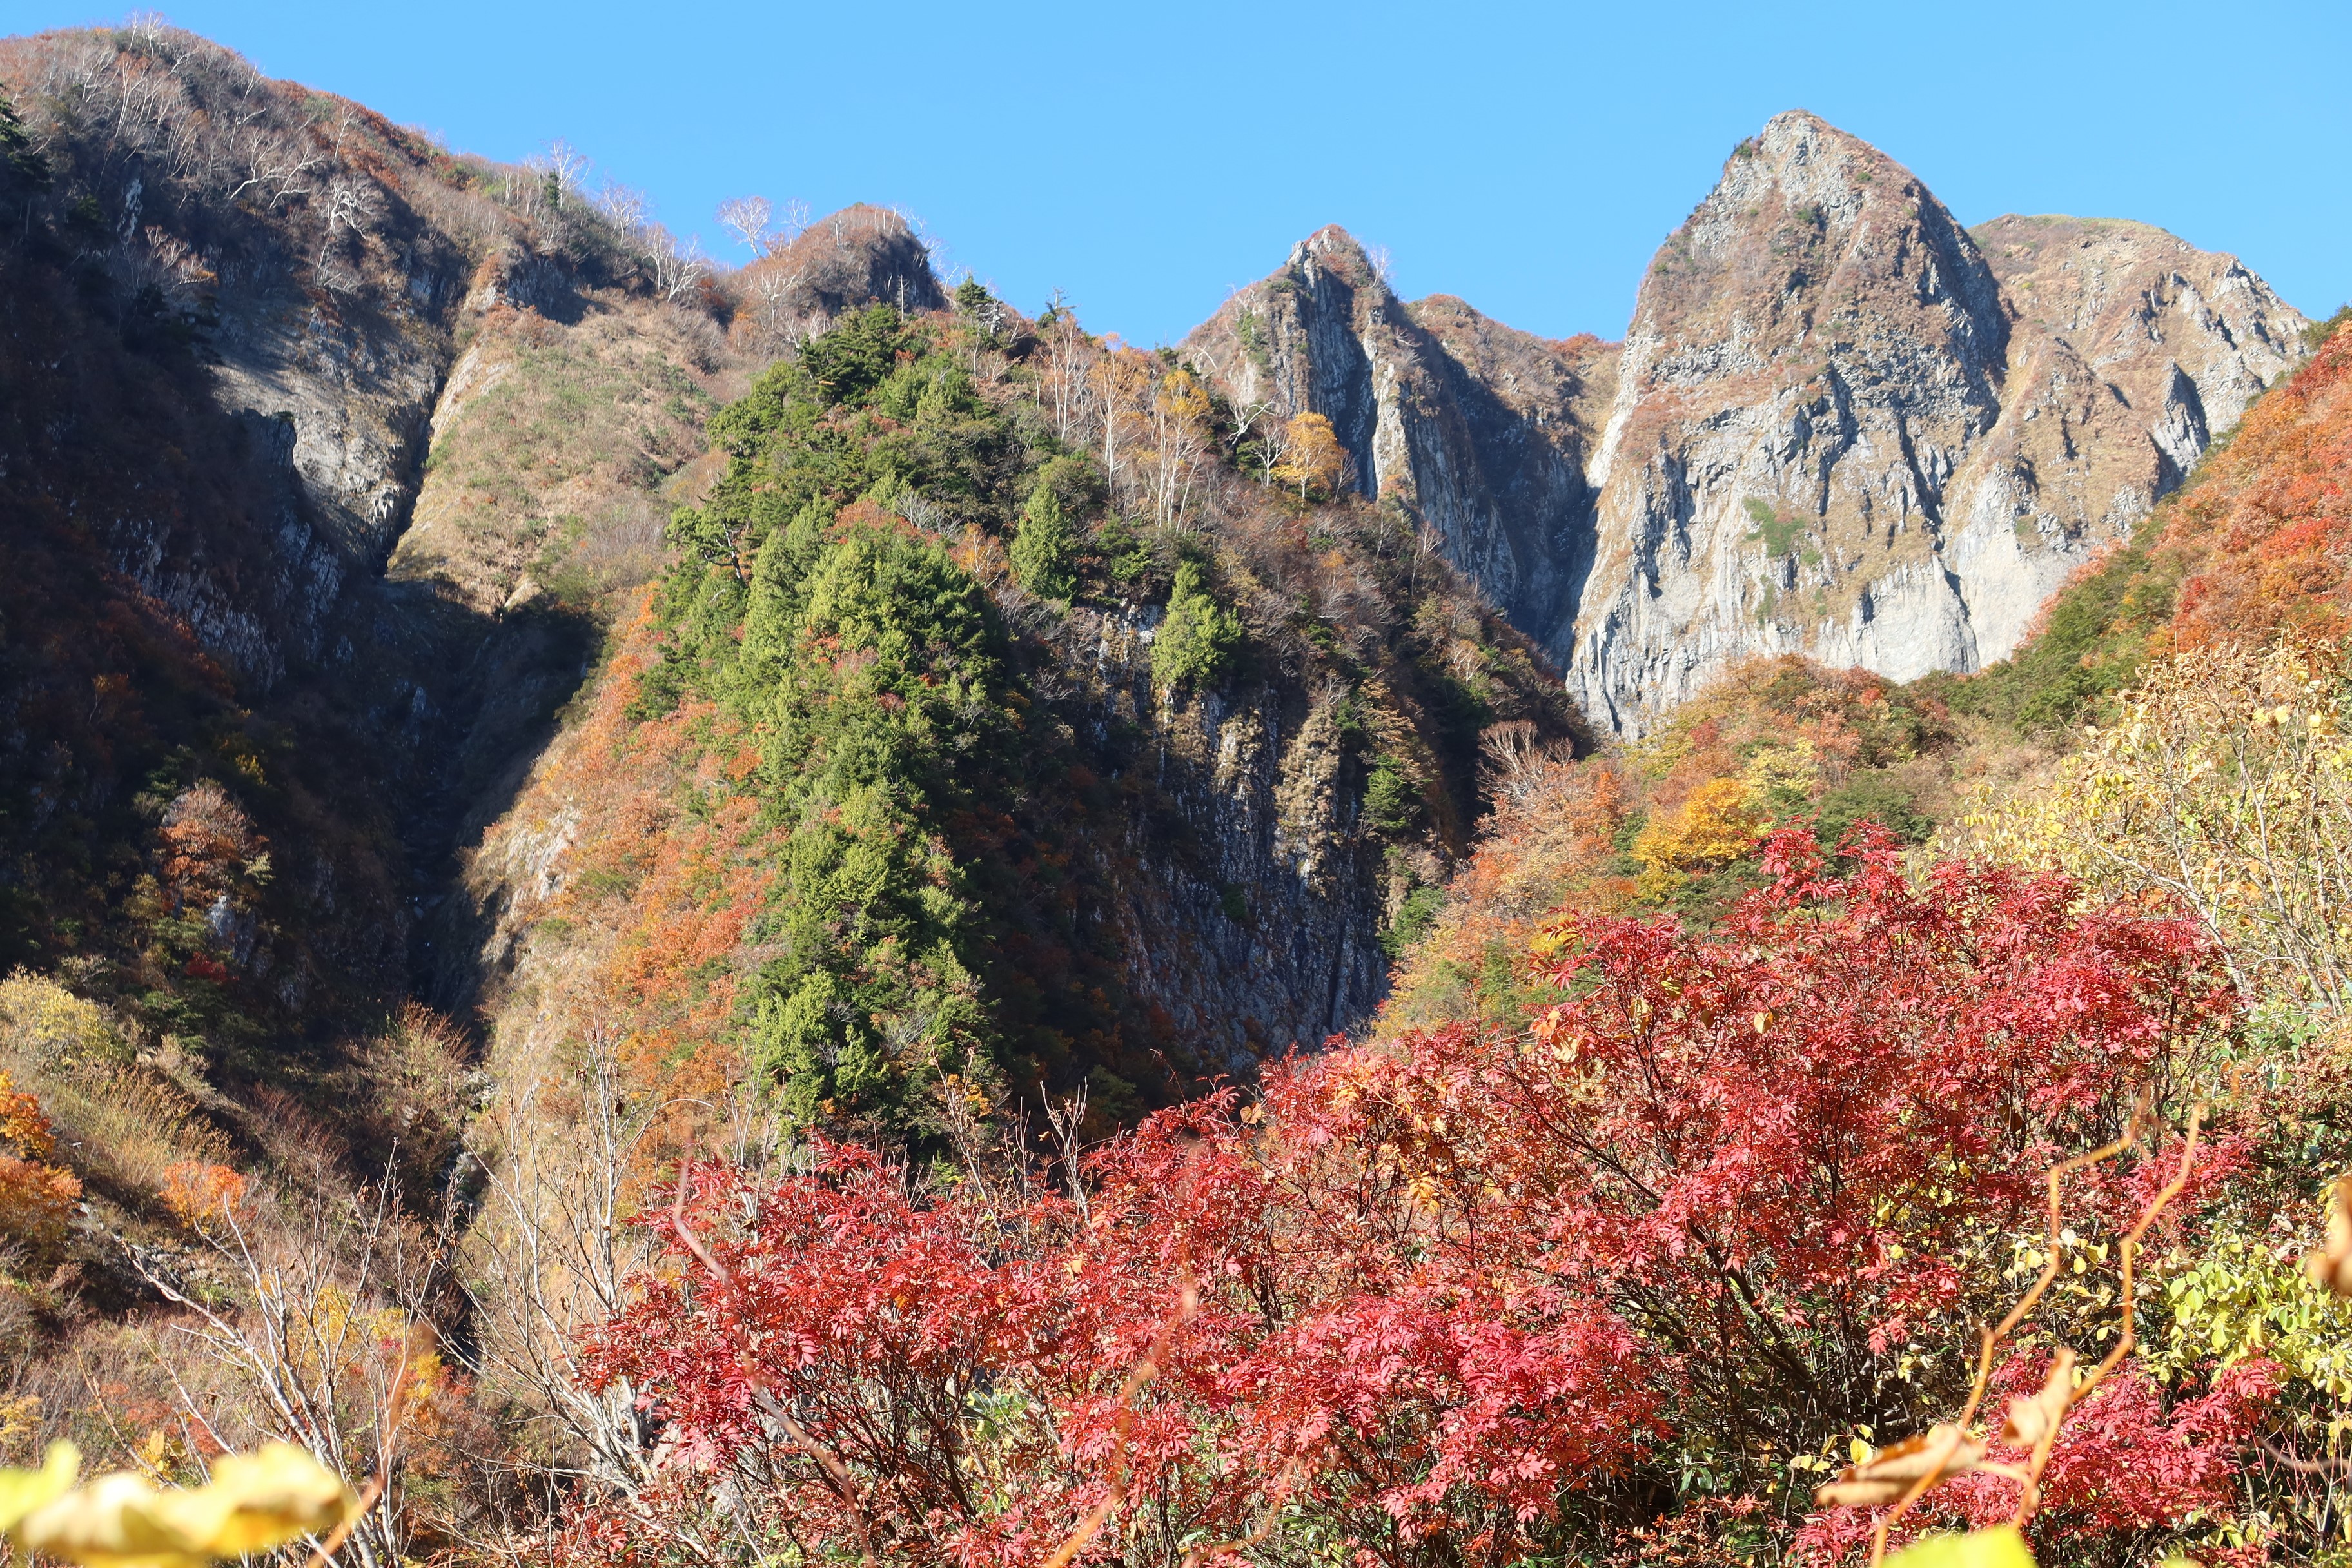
(207, 843)
(22, 1123)
(198, 1192)
(668, 880)
(36, 1198)
(1772, 741)
(1551, 840)
(2267, 530)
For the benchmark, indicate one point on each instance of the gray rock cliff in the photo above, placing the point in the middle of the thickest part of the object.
(1839, 423)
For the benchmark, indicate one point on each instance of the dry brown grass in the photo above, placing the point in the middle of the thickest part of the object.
(121, 1124)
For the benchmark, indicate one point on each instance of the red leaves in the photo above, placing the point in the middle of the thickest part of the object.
(2122, 1463)
(1431, 1289)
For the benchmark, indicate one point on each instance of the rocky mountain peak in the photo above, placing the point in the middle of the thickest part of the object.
(1807, 230)
(1334, 250)
(1842, 428)
(1837, 424)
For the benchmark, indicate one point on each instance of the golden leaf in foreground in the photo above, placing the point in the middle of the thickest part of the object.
(22, 1491)
(2332, 1264)
(2032, 1417)
(253, 1502)
(1999, 1547)
(1888, 1477)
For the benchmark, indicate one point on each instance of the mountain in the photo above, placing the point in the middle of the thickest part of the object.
(1839, 423)
(495, 709)
(325, 456)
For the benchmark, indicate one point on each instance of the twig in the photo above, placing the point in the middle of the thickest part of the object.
(1188, 1306)
(1282, 1485)
(2030, 1476)
(834, 1469)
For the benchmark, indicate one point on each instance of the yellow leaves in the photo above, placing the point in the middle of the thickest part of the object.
(2331, 1265)
(1794, 770)
(1999, 1547)
(253, 1502)
(1550, 942)
(46, 1023)
(22, 1491)
(1313, 457)
(1914, 1464)
(2225, 791)
(1718, 822)
(1183, 396)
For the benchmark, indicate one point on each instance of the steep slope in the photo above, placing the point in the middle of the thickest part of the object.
(2255, 544)
(861, 255)
(1835, 425)
(1479, 433)
(858, 809)
(323, 452)
(229, 305)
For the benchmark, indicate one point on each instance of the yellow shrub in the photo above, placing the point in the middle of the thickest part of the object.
(1718, 822)
(2225, 786)
(41, 1021)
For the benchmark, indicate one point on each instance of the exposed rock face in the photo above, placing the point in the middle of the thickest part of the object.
(1254, 930)
(1837, 433)
(1839, 423)
(1481, 434)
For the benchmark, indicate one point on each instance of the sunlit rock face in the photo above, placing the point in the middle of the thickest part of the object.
(1839, 425)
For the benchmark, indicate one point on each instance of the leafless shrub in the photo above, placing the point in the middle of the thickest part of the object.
(319, 1337)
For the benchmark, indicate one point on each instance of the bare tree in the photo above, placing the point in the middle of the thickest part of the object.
(795, 222)
(679, 269)
(626, 208)
(277, 168)
(566, 166)
(318, 1335)
(1069, 379)
(746, 217)
(550, 1254)
(779, 326)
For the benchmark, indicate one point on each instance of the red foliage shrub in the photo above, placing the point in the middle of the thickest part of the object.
(1427, 1293)
(2123, 1466)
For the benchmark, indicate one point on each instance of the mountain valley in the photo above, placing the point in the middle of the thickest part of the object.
(496, 707)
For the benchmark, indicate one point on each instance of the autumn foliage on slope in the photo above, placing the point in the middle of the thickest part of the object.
(2255, 544)
(1674, 823)
(2267, 535)
(1719, 1201)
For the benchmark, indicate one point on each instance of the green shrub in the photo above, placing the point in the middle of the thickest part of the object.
(2315, 336)
(1391, 800)
(1414, 918)
(1874, 797)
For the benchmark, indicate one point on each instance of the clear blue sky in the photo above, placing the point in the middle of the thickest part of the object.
(1527, 157)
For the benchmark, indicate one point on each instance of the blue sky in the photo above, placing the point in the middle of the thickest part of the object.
(1529, 158)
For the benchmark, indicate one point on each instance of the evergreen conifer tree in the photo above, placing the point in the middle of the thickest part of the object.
(1045, 549)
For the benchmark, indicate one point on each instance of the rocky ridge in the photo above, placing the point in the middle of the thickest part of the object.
(1839, 423)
